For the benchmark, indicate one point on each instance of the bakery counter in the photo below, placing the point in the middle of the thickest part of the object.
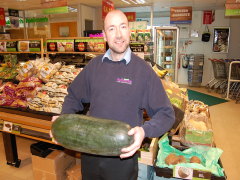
(25, 123)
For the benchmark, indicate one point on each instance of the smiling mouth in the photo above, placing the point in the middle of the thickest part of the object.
(119, 42)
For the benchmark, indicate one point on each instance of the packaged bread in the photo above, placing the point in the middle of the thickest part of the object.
(47, 71)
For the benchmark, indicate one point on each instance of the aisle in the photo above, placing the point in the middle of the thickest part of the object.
(225, 119)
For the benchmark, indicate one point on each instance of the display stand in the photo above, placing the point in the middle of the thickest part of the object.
(25, 50)
(76, 45)
(25, 124)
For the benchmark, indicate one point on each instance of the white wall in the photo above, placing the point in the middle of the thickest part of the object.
(199, 47)
(85, 13)
(234, 45)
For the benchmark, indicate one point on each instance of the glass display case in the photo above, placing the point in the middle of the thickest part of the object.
(166, 49)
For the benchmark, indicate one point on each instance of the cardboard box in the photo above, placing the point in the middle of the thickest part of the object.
(52, 167)
(43, 175)
(149, 157)
(74, 172)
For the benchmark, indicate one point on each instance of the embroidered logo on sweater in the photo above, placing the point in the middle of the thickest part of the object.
(124, 81)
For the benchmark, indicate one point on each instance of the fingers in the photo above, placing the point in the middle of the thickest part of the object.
(50, 132)
(131, 153)
(138, 134)
(54, 118)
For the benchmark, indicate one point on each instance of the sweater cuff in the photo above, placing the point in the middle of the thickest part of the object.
(146, 130)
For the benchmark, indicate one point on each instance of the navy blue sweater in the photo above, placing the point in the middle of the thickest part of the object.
(120, 91)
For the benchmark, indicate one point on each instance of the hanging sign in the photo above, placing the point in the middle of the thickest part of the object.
(131, 16)
(208, 17)
(107, 6)
(181, 15)
(232, 4)
(2, 17)
(232, 8)
(232, 12)
(57, 10)
(53, 3)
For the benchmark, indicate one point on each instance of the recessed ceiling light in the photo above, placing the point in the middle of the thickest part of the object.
(21, 0)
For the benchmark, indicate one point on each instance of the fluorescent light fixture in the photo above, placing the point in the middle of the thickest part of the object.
(126, 1)
(140, 1)
(133, 2)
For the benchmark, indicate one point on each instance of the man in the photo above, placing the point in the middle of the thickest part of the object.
(119, 86)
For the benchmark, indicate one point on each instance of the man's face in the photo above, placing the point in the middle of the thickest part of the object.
(116, 32)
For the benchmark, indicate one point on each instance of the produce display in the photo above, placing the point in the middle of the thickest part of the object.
(91, 135)
(173, 159)
(36, 84)
(196, 128)
(160, 72)
(51, 96)
(198, 159)
(176, 95)
(18, 95)
(8, 69)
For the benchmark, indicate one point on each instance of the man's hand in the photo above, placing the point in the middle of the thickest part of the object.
(138, 135)
(50, 133)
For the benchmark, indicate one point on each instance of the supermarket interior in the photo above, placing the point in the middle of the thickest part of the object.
(192, 48)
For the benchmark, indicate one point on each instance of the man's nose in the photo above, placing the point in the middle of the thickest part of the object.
(118, 33)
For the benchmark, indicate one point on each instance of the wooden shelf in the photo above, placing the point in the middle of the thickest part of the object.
(29, 52)
(73, 38)
(97, 53)
(39, 52)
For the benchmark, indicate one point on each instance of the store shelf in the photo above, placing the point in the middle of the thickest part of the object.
(170, 62)
(169, 47)
(23, 52)
(96, 53)
(38, 52)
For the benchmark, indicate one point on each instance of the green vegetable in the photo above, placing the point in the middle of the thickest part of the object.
(91, 135)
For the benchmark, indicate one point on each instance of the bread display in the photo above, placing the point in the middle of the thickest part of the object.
(51, 95)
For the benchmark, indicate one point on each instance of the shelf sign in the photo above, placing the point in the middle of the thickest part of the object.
(57, 10)
(2, 17)
(107, 6)
(181, 15)
(208, 17)
(131, 16)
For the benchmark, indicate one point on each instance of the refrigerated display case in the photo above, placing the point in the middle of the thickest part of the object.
(166, 49)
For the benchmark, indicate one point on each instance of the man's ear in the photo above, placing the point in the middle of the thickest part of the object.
(104, 35)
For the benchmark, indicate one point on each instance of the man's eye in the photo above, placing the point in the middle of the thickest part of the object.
(111, 29)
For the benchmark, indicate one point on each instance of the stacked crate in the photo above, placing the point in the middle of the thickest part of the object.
(195, 69)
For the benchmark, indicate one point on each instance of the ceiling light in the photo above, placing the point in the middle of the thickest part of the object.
(21, 0)
(133, 2)
(126, 1)
(140, 1)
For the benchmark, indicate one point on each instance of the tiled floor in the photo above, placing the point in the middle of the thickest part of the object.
(226, 125)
